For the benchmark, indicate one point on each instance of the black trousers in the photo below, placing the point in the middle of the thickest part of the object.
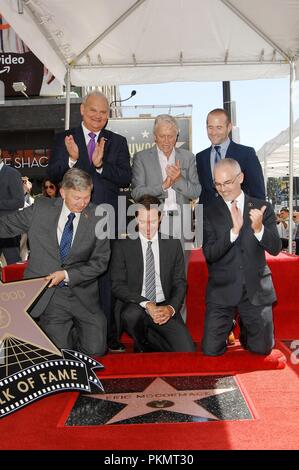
(256, 327)
(10, 247)
(172, 336)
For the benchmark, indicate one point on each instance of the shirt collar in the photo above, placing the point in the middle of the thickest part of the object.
(224, 146)
(87, 131)
(162, 154)
(65, 211)
(145, 240)
(1, 165)
(240, 201)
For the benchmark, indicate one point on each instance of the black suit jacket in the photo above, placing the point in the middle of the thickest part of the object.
(127, 272)
(231, 264)
(11, 190)
(253, 184)
(116, 164)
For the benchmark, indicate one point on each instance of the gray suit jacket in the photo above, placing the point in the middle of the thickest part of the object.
(88, 258)
(147, 176)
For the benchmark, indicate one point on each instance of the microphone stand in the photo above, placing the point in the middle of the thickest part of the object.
(133, 93)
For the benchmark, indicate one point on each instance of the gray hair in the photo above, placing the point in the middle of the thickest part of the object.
(228, 162)
(96, 93)
(77, 179)
(166, 119)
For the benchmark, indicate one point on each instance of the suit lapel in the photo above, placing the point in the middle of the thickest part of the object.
(54, 214)
(225, 214)
(80, 140)
(81, 231)
(137, 252)
(156, 163)
(248, 205)
(163, 254)
(231, 150)
(207, 168)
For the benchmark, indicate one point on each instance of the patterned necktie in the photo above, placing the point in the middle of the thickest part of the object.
(91, 145)
(67, 236)
(217, 153)
(150, 278)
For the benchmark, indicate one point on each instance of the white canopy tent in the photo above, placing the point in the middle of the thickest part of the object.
(153, 41)
(274, 154)
(100, 42)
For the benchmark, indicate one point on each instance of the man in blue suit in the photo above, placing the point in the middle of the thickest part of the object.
(105, 156)
(219, 127)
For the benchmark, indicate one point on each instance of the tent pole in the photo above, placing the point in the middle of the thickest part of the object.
(291, 150)
(266, 175)
(67, 98)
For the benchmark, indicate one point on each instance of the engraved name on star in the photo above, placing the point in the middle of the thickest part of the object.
(160, 395)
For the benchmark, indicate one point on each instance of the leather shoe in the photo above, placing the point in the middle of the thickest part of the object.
(231, 338)
(144, 347)
(116, 347)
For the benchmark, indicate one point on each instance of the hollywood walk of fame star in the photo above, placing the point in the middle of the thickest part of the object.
(160, 395)
(16, 298)
(145, 134)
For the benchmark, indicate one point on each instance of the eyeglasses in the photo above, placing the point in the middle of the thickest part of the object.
(49, 186)
(226, 183)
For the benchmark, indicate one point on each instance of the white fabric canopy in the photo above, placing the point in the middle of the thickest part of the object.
(274, 154)
(154, 41)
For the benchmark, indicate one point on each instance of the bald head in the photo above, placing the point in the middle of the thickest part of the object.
(228, 178)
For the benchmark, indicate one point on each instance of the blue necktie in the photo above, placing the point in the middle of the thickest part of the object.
(150, 277)
(67, 236)
(217, 153)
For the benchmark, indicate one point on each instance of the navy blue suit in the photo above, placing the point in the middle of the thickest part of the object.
(253, 184)
(116, 164)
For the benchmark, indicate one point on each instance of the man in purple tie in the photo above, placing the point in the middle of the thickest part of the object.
(105, 156)
(90, 147)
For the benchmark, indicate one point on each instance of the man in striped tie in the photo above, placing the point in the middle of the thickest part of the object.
(148, 280)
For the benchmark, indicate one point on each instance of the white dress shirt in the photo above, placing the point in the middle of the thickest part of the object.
(223, 149)
(170, 201)
(87, 139)
(155, 248)
(240, 201)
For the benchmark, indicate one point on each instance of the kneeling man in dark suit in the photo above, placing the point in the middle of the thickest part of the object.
(237, 231)
(148, 279)
(66, 249)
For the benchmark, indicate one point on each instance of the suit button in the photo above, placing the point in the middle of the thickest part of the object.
(241, 267)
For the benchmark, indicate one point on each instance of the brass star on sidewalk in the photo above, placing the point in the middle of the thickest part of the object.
(160, 395)
(15, 322)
